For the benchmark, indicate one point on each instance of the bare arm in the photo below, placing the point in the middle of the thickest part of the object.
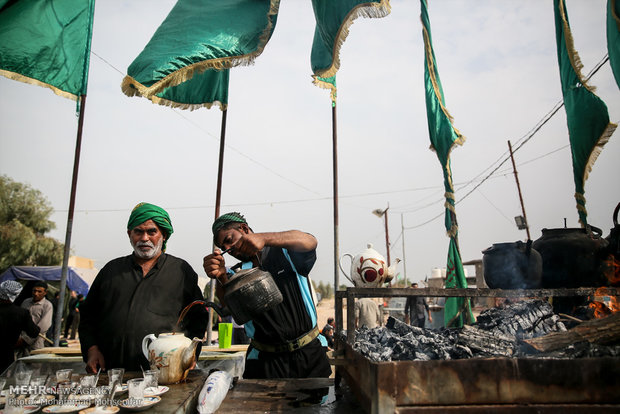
(293, 240)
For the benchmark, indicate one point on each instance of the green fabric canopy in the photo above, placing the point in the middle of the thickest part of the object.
(589, 128)
(47, 43)
(333, 18)
(198, 35)
(444, 137)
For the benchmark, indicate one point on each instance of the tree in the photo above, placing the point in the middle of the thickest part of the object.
(24, 220)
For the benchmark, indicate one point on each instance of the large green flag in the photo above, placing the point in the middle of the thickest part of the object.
(199, 35)
(589, 128)
(333, 19)
(444, 137)
(202, 90)
(47, 43)
(613, 37)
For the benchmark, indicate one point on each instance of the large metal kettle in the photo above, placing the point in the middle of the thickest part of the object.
(247, 294)
(572, 257)
(512, 266)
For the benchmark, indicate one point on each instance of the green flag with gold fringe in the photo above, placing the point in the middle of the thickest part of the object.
(47, 43)
(444, 137)
(589, 128)
(199, 36)
(333, 19)
(613, 37)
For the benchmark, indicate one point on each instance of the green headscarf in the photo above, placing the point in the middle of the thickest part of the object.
(224, 219)
(145, 211)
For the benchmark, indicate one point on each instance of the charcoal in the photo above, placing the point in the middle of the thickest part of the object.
(485, 343)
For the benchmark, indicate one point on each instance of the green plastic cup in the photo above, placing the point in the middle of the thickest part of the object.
(225, 334)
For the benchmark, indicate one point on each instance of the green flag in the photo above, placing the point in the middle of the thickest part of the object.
(47, 43)
(613, 37)
(589, 128)
(444, 137)
(198, 35)
(202, 90)
(333, 18)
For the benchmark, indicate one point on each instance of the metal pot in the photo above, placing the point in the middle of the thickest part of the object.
(572, 257)
(247, 294)
(512, 266)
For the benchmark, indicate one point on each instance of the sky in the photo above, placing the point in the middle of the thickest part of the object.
(498, 65)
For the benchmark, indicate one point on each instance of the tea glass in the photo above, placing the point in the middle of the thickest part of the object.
(22, 377)
(116, 375)
(63, 376)
(150, 381)
(38, 383)
(135, 388)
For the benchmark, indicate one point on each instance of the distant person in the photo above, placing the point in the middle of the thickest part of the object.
(13, 320)
(330, 323)
(367, 313)
(414, 309)
(41, 311)
(139, 294)
(73, 318)
(328, 333)
(52, 330)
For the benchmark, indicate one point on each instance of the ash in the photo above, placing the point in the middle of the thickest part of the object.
(497, 333)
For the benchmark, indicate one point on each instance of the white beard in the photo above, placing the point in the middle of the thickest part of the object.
(150, 253)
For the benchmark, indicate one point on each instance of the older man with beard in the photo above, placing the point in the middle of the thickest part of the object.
(139, 294)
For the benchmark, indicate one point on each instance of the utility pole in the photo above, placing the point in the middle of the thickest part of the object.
(514, 168)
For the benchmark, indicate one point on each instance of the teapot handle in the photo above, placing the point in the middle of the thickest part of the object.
(340, 265)
(145, 345)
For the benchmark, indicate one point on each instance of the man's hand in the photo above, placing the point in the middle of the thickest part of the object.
(430, 318)
(407, 320)
(214, 266)
(94, 360)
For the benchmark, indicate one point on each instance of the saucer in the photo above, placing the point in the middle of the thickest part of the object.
(152, 391)
(65, 408)
(28, 409)
(100, 410)
(147, 402)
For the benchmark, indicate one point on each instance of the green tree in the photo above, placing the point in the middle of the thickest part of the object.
(24, 220)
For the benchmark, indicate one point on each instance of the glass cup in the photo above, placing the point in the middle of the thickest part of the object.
(150, 381)
(2, 383)
(135, 387)
(22, 377)
(116, 374)
(63, 376)
(38, 384)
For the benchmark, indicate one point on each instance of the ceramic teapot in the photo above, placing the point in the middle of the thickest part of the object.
(172, 354)
(369, 269)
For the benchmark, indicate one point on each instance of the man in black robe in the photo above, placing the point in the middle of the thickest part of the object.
(137, 295)
(13, 320)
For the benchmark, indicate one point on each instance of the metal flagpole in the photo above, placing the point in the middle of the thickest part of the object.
(67, 250)
(218, 199)
(335, 196)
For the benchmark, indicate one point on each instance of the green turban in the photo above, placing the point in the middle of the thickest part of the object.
(145, 211)
(224, 219)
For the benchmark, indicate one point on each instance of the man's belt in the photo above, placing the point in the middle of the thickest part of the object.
(288, 346)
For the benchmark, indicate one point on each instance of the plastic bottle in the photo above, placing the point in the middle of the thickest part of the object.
(214, 391)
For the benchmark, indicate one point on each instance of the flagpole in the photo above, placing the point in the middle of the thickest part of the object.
(67, 249)
(218, 199)
(335, 196)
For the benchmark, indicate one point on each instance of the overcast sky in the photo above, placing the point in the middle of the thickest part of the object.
(498, 65)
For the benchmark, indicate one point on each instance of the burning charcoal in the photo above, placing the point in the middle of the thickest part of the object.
(483, 342)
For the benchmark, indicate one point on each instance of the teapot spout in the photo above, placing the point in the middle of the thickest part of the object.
(391, 271)
(189, 354)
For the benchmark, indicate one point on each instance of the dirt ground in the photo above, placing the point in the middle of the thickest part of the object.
(324, 310)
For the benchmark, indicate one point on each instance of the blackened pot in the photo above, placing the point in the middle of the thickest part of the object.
(512, 266)
(572, 257)
(249, 293)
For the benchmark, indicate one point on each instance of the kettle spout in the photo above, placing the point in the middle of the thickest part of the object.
(189, 354)
(391, 271)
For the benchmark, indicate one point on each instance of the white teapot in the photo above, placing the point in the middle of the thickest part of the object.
(369, 269)
(172, 354)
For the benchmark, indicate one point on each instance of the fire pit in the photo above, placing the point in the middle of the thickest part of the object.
(519, 381)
